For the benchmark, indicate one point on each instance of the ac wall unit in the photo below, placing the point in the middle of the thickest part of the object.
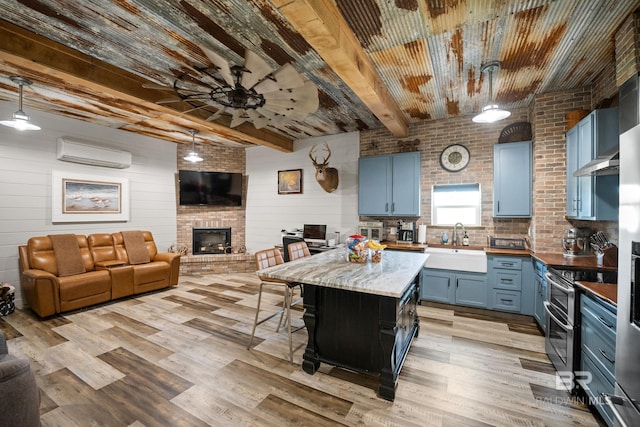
(79, 151)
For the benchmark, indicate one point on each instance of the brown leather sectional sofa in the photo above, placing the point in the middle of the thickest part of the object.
(104, 269)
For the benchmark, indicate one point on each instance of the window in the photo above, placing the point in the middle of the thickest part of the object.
(456, 203)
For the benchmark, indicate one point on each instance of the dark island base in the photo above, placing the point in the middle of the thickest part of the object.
(361, 332)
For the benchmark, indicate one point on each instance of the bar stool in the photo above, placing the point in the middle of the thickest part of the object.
(269, 258)
(298, 250)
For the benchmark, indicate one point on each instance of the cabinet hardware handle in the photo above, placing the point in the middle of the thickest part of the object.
(386, 207)
(605, 355)
(456, 283)
(506, 300)
(498, 205)
(506, 280)
(605, 323)
(507, 264)
(393, 207)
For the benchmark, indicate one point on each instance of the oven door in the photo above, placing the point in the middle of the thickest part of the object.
(562, 297)
(559, 342)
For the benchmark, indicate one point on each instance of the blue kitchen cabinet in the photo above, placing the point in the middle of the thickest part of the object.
(512, 180)
(592, 197)
(511, 284)
(389, 185)
(454, 287)
(598, 351)
(539, 313)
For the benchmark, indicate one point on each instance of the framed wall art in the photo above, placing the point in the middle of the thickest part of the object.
(88, 198)
(290, 181)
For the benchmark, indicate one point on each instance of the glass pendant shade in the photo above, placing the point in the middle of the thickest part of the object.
(193, 156)
(20, 120)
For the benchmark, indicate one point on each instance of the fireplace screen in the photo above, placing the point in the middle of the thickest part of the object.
(211, 241)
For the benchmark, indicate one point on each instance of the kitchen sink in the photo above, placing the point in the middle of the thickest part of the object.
(456, 259)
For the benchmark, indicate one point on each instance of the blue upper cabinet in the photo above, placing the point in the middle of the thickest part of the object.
(592, 197)
(389, 185)
(512, 180)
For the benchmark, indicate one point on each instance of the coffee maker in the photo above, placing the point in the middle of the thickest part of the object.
(406, 231)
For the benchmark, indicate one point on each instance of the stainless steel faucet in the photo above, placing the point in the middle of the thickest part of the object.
(456, 236)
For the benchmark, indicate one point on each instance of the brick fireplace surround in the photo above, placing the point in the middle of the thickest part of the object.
(219, 159)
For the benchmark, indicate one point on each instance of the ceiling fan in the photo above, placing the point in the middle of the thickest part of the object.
(252, 92)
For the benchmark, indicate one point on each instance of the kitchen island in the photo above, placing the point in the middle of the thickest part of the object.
(359, 316)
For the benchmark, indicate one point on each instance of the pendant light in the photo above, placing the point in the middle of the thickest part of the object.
(20, 119)
(193, 157)
(492, 112)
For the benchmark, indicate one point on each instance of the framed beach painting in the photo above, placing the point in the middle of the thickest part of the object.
(88, 198)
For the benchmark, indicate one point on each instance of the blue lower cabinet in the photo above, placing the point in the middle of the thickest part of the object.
(511, 284)
(539, 313)
(454, 287)
(598, 351)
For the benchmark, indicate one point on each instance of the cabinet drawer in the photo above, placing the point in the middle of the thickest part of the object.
(506, 300)
(598, 385)
(603, 315)
(508, 279)
(511, 263)
(599, 342)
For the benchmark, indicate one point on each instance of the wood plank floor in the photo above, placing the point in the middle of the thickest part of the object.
(178, 358)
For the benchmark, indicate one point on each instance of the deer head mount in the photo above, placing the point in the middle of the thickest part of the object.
(327, 177)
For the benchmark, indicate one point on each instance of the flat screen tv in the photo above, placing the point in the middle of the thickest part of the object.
(202, 188)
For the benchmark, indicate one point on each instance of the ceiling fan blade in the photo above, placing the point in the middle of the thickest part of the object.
(274, 118)
(195, 108)
(169, 100)
(257, 68)
(215, 115)
(286, 77)
(222, 64)
(156, 86)
(307, 91)
(259, 121)
(237, 118)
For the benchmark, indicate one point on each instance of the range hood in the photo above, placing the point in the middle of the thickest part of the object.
(607, 164)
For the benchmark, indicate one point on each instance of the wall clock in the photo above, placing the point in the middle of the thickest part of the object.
(455, 157)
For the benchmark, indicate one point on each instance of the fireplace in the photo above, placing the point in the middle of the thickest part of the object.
(211, 241)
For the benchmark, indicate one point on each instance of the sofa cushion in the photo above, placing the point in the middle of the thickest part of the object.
(121, 251)
(68, 256)
(151, 272)
(101, 247)
(136, 248)
(42, 255)
(84, 285)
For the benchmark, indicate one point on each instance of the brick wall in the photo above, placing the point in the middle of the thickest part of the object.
(436, 135)
(218, 159)
(627, 44)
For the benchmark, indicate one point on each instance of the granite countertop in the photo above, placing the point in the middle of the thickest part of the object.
(391, 277)
(606, 291)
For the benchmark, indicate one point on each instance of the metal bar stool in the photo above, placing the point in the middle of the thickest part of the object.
(269, 258)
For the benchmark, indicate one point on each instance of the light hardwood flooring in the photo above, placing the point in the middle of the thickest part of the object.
(178, 358)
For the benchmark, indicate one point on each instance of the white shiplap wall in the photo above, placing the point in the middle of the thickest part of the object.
(268, 212)
(28, 158)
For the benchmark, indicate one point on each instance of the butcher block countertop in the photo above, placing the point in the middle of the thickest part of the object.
(559, 260)
(606, 291)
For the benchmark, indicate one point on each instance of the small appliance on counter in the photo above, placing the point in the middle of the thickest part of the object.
(372, 230)
(574, 244)
(406, 231)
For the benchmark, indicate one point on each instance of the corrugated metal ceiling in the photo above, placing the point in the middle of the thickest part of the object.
(428, 53)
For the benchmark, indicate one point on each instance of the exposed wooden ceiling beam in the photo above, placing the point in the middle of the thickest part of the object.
(324, 28)
(63, 69)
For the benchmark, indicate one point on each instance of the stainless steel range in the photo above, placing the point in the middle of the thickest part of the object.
(562, 342)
